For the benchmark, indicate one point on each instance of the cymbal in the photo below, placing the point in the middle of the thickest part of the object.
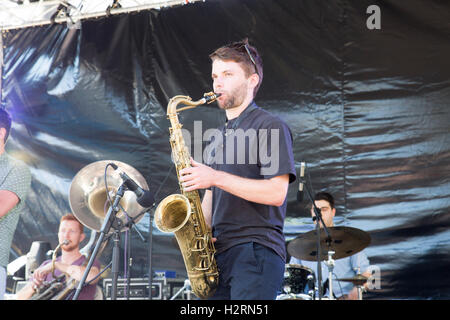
(345, 242)
(357, 280)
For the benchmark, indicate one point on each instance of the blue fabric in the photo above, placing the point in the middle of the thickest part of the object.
(343, 268)
(249, 271)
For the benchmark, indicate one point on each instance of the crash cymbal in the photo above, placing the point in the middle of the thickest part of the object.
(357, 280)
(345, 242)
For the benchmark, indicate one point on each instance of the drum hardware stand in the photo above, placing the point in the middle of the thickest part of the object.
(318, 217)
(359, 287)
(186, 287)
(359, 292)
(311, 286)
(330, 265)
(108, 222)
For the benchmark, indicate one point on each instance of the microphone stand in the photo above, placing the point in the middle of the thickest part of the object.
(128, 263)
(150, 258)
(107, 223)
(131, 224)
(318, 219)
(150, 238)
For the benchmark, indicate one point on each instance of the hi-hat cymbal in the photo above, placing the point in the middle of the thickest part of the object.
(357, 280)
(345, 241)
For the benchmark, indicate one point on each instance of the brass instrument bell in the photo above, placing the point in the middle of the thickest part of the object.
(88, 198)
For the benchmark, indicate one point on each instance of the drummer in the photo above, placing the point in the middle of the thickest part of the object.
(343, 268)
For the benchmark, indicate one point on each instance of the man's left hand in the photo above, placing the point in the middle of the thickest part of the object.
(199, 176)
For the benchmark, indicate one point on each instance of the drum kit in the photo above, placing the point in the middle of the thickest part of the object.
(335, 243)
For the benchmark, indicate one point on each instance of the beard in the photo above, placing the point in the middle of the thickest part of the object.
(233, 98)
(70, 247)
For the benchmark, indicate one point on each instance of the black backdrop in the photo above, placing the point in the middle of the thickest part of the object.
(368, 110)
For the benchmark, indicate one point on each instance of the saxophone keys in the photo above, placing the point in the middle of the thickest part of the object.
(203, 265)
(199, 245)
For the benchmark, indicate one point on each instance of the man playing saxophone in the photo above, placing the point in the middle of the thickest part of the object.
(71, 262)
(245, 197)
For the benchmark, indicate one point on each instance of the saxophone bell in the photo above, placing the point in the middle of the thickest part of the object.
(172, 213)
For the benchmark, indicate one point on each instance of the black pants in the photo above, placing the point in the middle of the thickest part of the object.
(249, 271)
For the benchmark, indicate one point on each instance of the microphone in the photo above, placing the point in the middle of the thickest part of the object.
(145, 198)
(300, 186)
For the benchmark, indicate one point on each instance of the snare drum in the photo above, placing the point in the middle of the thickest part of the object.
(298, 280)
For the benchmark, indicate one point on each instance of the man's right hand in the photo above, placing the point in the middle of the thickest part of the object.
(40, 273)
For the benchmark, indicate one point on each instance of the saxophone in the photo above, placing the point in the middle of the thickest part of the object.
(182, 213)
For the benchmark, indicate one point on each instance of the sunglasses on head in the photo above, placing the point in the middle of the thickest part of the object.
(240, 45)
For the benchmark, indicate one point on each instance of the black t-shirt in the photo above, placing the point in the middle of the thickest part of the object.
(255, 145)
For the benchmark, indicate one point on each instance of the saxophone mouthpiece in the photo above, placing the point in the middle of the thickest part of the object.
(65, 242)
(211, 97)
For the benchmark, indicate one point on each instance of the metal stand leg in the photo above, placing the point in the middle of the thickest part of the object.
(359, 293)
(115, 265)
(360, 290)
(186, 287)
(107, 223)
(330, 264)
